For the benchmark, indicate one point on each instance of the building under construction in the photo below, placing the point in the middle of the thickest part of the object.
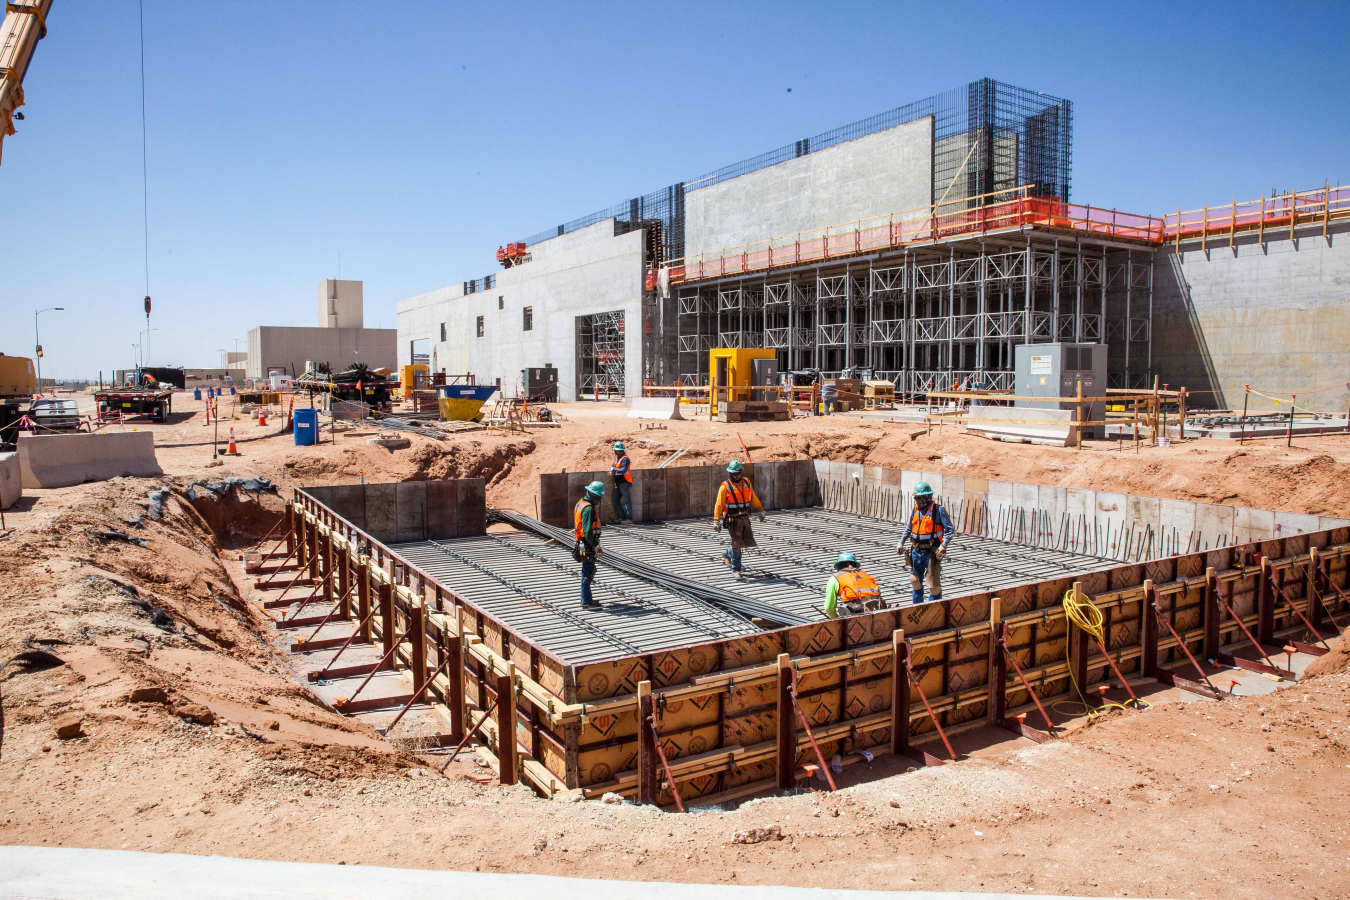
(924, 244)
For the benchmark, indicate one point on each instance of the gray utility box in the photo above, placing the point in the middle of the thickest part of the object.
(763, 372)
(1056, 370)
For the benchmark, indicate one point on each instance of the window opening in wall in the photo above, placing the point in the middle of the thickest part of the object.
(420, 352)
(501, 303)
(600, 356)
(442, 332)
(527, 318)
(480, 326)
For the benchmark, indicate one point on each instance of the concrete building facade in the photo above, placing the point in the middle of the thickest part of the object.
(339, 340)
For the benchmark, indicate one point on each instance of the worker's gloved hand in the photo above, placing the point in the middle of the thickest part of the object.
(717, 526)
(940, 553)
(762, 517)
(599, 552)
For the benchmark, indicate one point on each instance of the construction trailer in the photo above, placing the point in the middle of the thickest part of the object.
(697, 687)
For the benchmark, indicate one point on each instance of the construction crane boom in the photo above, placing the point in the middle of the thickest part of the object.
(25, 24)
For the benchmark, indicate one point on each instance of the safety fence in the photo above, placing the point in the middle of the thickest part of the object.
(728, 718)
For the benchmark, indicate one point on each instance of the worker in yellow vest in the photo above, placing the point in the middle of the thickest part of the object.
(621, 472)
(586, 517)
(851, 591)
(736, 500)
(931, 530)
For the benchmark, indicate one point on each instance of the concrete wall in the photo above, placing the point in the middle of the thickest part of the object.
(410, 510)
(341, 304)
(876, 175)
(60, 460)
(11, 480)
(1275, 315)
(580, 273)
(272, 345)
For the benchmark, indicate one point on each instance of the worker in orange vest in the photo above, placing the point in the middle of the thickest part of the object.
(851, 591)
(586, 517)
(621, 472)
(931, 530)
(736, 500)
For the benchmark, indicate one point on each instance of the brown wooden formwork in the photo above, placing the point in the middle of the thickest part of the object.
(723, 717)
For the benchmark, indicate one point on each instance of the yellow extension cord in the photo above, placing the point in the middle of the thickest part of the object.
(1088, 617)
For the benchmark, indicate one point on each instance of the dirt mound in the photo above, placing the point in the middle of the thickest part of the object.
(1338, 660)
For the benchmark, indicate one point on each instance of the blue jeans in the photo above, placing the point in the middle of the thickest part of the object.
(623, 499)
(735, 557)
(921, 565)
(587, 576)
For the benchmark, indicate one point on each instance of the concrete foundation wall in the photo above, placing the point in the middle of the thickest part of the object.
(11, 480)
(272, 345)
(1272, 314)
(580, 273)
(876, 175)
(60, 460)
(410, 510)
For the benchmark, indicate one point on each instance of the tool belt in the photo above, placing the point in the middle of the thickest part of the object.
(927, 545)
(582, 553)
(858, 607)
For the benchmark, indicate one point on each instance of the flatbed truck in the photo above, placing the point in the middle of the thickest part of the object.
(156, 403)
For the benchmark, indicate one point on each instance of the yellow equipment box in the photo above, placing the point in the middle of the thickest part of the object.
(17, 376)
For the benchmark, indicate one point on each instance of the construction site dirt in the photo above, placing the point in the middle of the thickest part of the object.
(186, 727)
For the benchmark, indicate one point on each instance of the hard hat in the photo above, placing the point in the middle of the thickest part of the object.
(734, 467)
(922, 489)
(845, 559)
(619, 447)
(596, 490)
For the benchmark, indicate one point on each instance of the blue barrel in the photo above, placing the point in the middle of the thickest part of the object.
(306, 427)
(233, 390)
(196, 393)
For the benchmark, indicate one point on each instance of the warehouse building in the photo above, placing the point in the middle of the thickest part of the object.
(924, 244)
(340, 338)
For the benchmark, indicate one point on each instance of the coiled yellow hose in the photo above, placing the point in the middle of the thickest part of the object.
(1088, 617)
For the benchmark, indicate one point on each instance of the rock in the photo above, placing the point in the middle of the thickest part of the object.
(758, 835)
(308, 792)
(69, 726)
(148, 695)
(196, 712)
(272, 725)
(612, 798)
(895, 804)
(566, 797)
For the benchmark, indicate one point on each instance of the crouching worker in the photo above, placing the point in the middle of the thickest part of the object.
(851, 591)
(736, 500)
(587, 548)
(931, 530)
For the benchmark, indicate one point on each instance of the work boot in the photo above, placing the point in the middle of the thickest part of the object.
(739, 576)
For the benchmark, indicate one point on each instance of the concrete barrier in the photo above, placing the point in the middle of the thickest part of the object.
(1029, 425)
(60, 460)
(655, 408)
(11, 482)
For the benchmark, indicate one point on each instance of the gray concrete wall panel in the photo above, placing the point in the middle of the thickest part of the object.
(60, 460)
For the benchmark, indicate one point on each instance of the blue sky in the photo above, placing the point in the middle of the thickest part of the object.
(415, 138)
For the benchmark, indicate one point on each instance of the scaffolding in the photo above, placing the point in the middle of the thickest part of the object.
(933, 318)
(600, 355)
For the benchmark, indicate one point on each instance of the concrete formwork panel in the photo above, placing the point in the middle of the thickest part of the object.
(382, 511)
(412, 510)
(1287, 524)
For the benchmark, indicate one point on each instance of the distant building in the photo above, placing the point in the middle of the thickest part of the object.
(340, 339)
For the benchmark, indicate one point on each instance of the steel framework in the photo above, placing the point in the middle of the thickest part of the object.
(601, 354)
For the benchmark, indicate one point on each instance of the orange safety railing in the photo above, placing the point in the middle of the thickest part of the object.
(997, 212)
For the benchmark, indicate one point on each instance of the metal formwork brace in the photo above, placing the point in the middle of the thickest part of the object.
(1305, 648)
(1241, 663)
(824, 767)
(908, 660)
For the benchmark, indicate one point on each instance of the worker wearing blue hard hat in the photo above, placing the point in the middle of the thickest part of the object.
(621, 472)
(931, 530)
(736, 500)
(586, 517)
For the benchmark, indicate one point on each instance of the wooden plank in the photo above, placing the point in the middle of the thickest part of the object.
(646, 741)
(506, 727)
(786, 756)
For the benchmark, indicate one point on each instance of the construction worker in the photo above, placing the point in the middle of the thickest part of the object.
(931, 530)
(621, 472)
(735, 501)
(587, 548)
(851, 591)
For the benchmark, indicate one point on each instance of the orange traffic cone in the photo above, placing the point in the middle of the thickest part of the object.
(232, 450)
(262, 416)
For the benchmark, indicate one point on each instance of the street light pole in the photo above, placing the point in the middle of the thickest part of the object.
(37, 339)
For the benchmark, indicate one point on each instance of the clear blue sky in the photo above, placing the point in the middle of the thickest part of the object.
(414, 138)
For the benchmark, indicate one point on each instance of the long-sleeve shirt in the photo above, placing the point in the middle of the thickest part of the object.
(589, 536)
(940, 513)
(832, 598)
(721, 505)
(620, 469)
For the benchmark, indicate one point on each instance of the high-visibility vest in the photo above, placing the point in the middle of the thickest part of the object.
(595, 520)
(856, 586)
(739, 499)
(625, 472)
(926, 527)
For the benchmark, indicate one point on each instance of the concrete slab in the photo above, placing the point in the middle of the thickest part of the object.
(60, 460)
(655, 408)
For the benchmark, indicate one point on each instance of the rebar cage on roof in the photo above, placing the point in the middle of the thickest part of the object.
(987, 136)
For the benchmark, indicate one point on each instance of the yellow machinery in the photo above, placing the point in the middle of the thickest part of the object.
(407, 379)
(734, 373)
(17, 378)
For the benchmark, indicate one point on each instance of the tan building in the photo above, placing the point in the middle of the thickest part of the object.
(340, 338)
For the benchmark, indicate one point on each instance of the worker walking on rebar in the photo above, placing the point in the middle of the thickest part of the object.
(587, 548)
(621, 472)
(851, 591)
(931, 530)
(736, 500)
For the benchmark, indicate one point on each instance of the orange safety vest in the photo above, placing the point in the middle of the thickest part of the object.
(739, 500)
(626, 475)
(926, 527)
(856, 586)
(576, 515)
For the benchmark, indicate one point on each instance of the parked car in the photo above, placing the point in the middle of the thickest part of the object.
(55, 415)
